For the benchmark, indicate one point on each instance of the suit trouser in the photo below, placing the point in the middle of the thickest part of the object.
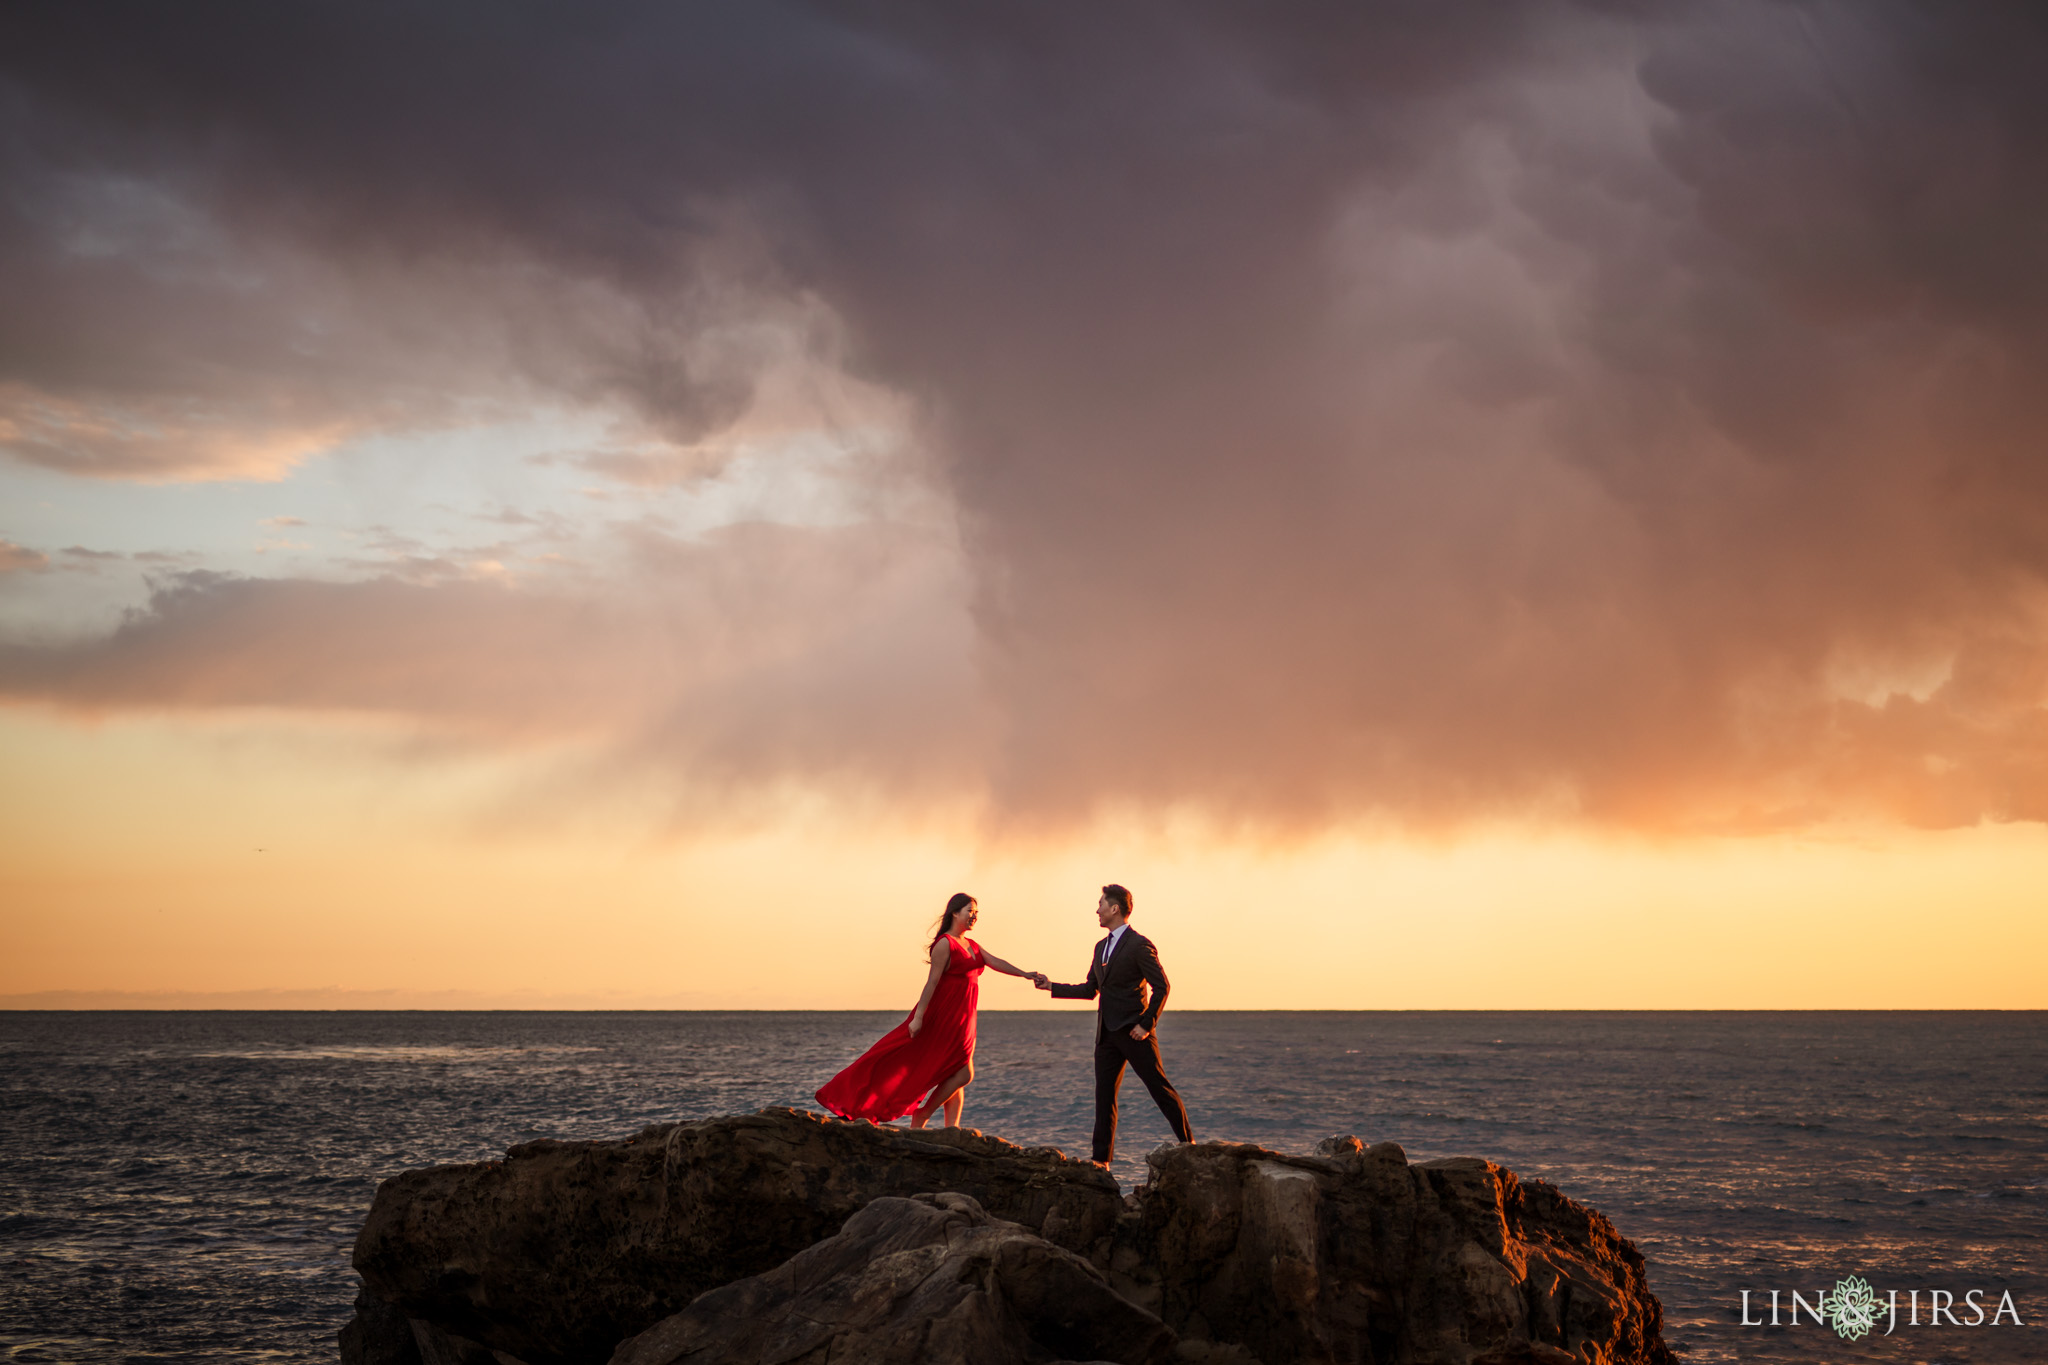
(1112, 1050)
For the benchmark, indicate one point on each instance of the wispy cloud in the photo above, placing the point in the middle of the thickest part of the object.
(765, 655)
(20, 559)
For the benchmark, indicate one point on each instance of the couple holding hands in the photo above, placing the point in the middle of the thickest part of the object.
(922, 1066)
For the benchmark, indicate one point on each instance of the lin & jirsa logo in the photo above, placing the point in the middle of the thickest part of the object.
(1853, 1308)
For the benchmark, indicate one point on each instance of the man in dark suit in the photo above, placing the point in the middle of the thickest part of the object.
(1126, 975)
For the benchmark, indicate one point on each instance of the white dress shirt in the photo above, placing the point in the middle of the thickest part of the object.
(1116, 936)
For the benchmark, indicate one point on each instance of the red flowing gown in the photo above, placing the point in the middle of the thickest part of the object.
(887, 1081)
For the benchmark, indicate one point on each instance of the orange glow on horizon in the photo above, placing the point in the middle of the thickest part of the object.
(151, 864)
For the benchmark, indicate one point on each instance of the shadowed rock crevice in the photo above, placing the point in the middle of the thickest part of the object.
(789, 1237)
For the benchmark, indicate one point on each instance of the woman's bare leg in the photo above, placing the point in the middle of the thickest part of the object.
(943, 1096)
(954, 1103)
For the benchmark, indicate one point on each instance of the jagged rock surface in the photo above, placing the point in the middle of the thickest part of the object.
(559, 1251)
(1354, 1256)
(932, 1278)
(562, 1251)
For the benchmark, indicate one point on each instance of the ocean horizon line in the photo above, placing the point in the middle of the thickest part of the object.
(54, 1002)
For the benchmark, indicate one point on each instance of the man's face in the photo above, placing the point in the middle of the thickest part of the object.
(1106, 911)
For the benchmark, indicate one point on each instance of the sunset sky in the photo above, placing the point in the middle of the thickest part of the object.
(1534, 506)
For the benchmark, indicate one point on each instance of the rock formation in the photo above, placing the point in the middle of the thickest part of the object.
(1354, 1255)
(785, 1236)
(563, 1249)
(931, 1278)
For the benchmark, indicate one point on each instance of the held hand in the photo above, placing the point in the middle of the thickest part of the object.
(1139, 1032)
(1041, 980)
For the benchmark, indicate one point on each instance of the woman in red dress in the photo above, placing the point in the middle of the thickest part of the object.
(930, 1055)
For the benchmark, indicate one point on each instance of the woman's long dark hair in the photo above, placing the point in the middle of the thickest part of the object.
(961, 900)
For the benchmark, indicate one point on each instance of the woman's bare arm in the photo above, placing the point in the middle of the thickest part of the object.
(1005, 968)
(940, 952)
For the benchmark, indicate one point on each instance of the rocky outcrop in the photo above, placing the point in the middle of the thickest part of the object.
(1353, 1255)
(785, 1236)
(379, 1334)
(563, 1249)
(931, 1278)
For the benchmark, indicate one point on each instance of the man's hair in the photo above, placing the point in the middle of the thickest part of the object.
(1119, 897)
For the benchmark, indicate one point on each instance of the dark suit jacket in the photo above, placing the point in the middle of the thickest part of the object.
(1122, 985)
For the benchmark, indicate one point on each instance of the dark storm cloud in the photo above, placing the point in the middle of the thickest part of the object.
(1619, 411)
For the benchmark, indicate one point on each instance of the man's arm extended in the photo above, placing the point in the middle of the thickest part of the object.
(1084, 991)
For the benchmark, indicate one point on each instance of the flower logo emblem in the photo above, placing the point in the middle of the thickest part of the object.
(1851, 1306)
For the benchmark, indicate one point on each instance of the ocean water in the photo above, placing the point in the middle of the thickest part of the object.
(186, 1186)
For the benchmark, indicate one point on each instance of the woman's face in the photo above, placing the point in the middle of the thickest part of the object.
(965, 916)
